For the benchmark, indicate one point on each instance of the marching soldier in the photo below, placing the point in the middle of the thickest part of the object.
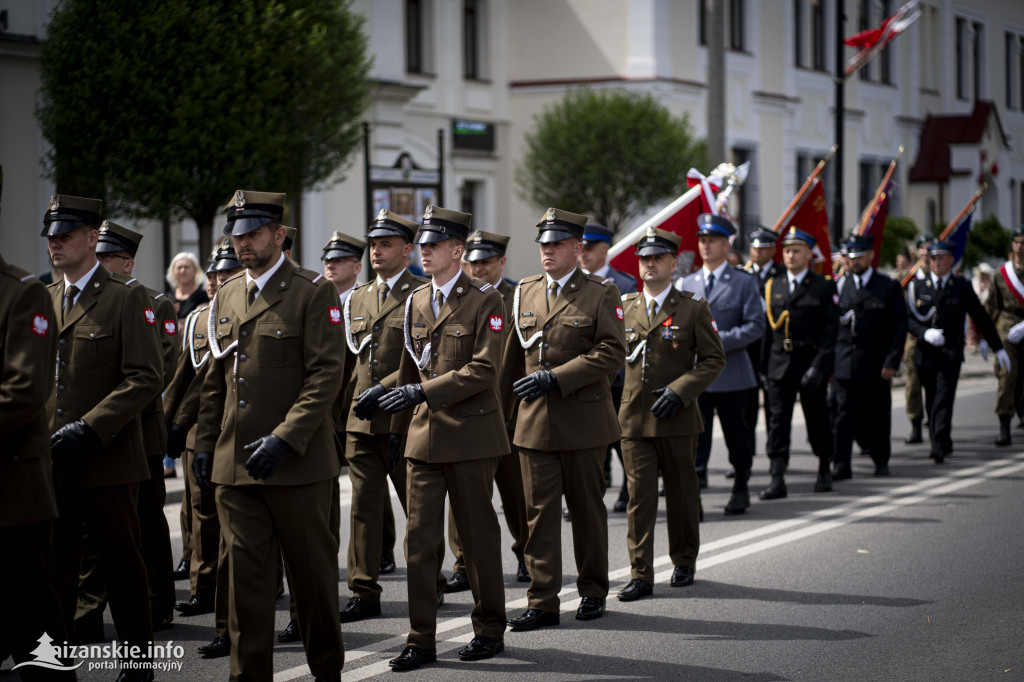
(1005, 304)
(737, 309)
(265, 438)
(763, 266)
(453, 338)
(374, 318)
(343, 261)
(116, 249)
(870, 341)
(912, 389)
(802, 314)
(675, 353)
(938, 307)
(485, 258)
(567, 341)
(109, 367)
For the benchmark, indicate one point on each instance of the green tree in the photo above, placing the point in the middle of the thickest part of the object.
(987, 238)
(608, 153)
(163, 109)
(899, 231)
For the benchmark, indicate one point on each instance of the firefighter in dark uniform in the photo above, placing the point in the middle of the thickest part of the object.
(763, 266)
(803, 316)
(938, 307)
(1005, 304)
(869, 346)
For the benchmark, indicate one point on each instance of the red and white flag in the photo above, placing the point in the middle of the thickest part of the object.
(874, 40)
(811, 216)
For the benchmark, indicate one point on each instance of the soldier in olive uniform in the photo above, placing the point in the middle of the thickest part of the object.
(1005, 304)
(675, 353)
(266, 439)
(803, 317)
(116, 250)
(567, 342)
(454, 333)
(374, 318)
(485, 258)
(109, 367)
(912, 389)
(28, 506)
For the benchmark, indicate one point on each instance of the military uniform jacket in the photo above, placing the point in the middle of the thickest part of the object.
(582, 340)
(623, 281)
(813, 320)
(1002, 306)
(762, 275)
(456, 360)
(946, 309)
(109, 367)
(739, 316)
(28, 344)
(281, 378)
(376, 339)
(154, 426)
(181, 399)
(872, 327)
(680, 349)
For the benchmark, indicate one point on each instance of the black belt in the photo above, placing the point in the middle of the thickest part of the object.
(793, 344)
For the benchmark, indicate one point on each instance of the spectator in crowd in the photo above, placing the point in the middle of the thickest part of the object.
(186, 279)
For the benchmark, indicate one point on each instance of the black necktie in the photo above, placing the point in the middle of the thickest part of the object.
(69, 301)
(710, 284)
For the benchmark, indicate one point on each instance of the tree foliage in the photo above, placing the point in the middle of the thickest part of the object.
(987, 239)
(163, 109)
(899, 231)
(610, 154)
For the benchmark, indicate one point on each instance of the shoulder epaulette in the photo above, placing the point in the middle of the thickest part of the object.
(600, 280)
(363, 285)
(127, 281)
(158, 295)
(531, 278)
(481, 285)
(310, 275)
(630, 296)
(692, 294)
(420, 287)
(23, 276)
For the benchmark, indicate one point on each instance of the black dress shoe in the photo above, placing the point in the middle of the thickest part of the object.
(533, 619)
(682, 576)
(823, 484)
(702, 477)
(218, 648)
(459, 582)
(195, 606)
(522, 575)
(163, 622)
(635, 589)
(387, 563)
(413, 657)
(134, 674)
(590, 608)
(291, 632)
(731, 473)
(358, 609)
(184, 570)
(882, 470)
(482, 647)
(619, 506)
(87, 630)
(938, 456)
(738, 503)
(842, 473)
(776, 490)
(565, 514)
(336, 677)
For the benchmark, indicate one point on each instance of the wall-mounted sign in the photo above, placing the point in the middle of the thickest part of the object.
(472, 135)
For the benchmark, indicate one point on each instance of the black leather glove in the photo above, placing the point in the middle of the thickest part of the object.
(367, 402)
(267, 454)
(396, 447)
(202, 469)
(402, 398)
(762, 381)
(667, 404)
(535, 385)
(176, 441)
(76, 438)
(812, 378)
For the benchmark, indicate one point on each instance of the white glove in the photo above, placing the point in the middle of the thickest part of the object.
(1016, 333)
(1003, 359)
(935, 337)
(983, 349)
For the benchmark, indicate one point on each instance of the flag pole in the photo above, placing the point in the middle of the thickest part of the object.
(949, 228)
(787, 213)
(690, 195)
(872, 208)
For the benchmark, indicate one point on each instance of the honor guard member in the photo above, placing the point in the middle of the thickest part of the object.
(374, 319)
(912, 389)
(803, 316)
(485, 258)
(266, 440)
(737, 309)
(1005, 304)
(763, 266)
(343, 261)
(116, 249)
(675, 353)
(109, 367)
(869, 345)
(567, 342)
(593, 260)
(453, 338)
(28, 505)
(938, 306)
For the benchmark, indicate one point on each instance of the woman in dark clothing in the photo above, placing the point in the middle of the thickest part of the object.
(186, 281)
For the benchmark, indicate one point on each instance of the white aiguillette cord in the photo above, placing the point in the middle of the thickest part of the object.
(350, 338)
(190, 327)
(211, 329)
(912, 304)
(526, 344)
(424, 359)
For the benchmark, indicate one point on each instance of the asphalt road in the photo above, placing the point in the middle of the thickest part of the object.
(918, 576)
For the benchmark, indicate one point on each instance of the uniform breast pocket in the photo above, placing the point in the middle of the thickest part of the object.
(280, 344)
(458, 342)
(94, 346)
(578, 331)
(395, 330)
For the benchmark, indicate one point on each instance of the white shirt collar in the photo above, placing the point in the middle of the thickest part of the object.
(939, 282)
(445, 289)
(866, 276)
(562, 281)
(391, 282)
(345, 294)
(799, 277)
(660, 298)
(80, 283)
(717, 272)
(262, 280)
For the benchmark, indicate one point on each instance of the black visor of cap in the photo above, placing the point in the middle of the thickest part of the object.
(429, 234)
(109, 243)
(223, 264)
(56, 227)
(340, 251)
(388, 230)
(477, 252)
(550, 235)
(240, 226)
(653, 249)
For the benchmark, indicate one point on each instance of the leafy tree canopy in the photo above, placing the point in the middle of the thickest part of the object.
(163, 109)
(899, 231)
(608, 153)
(987, 239)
